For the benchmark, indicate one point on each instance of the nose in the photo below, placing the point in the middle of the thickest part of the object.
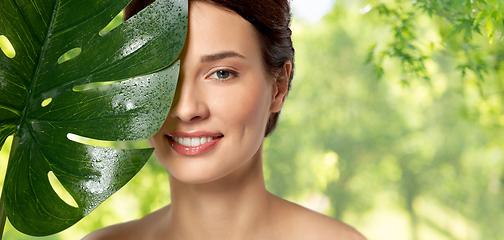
(189, 103)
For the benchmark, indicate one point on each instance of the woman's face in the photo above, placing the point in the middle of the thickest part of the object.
(223, 99)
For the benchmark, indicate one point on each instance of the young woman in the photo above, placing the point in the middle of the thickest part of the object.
(236, 68)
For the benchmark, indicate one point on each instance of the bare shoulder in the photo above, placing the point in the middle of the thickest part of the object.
(307, 224)
(118, 231)
(137, 229)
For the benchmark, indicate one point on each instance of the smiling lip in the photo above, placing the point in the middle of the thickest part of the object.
(193, 143)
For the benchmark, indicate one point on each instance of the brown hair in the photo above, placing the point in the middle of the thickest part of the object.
(271, 19)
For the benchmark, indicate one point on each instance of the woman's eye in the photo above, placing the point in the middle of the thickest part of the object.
(221, 74)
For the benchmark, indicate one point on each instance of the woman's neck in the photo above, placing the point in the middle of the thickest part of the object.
(229, 208)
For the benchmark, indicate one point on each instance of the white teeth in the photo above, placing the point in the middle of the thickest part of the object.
(186, 142)
(195, 142)
(192, 142)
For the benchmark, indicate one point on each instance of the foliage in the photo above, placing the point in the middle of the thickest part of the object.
(462, 24)
(47, 102)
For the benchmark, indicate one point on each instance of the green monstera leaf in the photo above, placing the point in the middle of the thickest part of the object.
(41, 105)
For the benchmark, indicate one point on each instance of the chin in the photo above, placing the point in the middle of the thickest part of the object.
(191, 179)
(196, 176)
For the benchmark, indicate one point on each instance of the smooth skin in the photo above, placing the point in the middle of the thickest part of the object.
(224, 90)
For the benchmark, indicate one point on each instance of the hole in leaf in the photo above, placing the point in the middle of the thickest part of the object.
(139, 144)
(4, 155)
(89, 86)
(7, 47)
(72, 53)
(46, 102)
(60, 190)
(5, 149)
(112, 24)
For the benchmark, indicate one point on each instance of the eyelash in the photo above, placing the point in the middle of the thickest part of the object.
(231, 74)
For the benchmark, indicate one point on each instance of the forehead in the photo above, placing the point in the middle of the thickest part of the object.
(215, 29)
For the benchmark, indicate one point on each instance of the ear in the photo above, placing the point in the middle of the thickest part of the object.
(281, 87)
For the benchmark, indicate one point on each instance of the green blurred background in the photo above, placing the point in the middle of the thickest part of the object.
(393, 125)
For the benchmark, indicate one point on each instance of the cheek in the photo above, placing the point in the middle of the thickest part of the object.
(245, 106)
(151, 141)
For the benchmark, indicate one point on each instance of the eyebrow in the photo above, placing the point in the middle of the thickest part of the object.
(219, 56)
